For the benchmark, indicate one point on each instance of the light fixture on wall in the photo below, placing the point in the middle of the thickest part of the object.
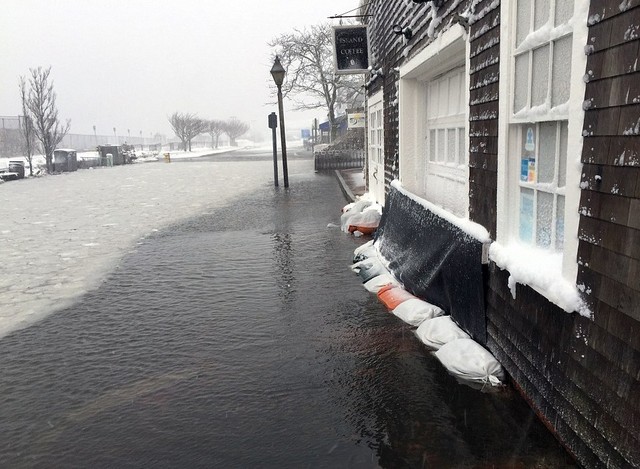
(406, 32)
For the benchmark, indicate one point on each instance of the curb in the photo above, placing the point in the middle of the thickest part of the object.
(348, 194)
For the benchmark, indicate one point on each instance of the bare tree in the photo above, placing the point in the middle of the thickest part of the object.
(235, 128)
(26, 126)
(215, 129)
(307, 57)
(41, 103)
(186, 127)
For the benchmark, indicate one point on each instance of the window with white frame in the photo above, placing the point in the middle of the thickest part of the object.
(376, 140)
(445, 119)
(542, 44)
(445, 141)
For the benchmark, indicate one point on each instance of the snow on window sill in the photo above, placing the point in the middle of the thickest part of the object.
(541, 270)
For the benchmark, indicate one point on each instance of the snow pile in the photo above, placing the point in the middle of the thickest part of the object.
(541, 270)
(361, 217)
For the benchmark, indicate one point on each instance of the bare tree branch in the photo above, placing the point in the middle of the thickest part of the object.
(186, 127)
(235, 128)
(307, 57)
(41, 105)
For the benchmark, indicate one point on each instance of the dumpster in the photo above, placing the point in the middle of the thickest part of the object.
(117, 155)
(64, 160)
(16, 166)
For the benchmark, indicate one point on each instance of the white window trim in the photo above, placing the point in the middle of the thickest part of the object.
(375, 99)
(507, 172)
(438, 57)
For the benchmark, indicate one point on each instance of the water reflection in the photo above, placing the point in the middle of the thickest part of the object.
(282, 256)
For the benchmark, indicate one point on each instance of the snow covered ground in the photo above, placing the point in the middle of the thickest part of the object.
(61, 235)
(143, 156)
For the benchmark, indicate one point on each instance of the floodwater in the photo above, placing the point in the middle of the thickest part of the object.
(241, 338)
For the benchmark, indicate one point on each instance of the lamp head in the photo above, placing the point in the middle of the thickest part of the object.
(278, 72)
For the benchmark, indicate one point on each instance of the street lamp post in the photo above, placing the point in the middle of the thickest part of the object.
(278, 73)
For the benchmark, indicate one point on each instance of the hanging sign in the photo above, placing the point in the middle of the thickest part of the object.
(355, 120)
(350, 49)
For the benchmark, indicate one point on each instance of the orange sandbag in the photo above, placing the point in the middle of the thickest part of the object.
(391, 296)
(362, 229)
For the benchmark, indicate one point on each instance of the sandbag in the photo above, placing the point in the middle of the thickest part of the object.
(365, 251)
(469, 361)
(392, 295)
(365, 222)
(376, 283)
(439, 331)
(350, 211)
(369, 268)
(415, 311)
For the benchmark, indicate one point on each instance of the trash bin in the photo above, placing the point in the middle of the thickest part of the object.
(167, 157)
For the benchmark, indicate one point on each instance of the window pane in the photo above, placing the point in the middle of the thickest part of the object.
(560, 223)
(461, 101)
(454, 95)
(441, 140)
(561, 80)
(544, 217)
(562, 169)
(522, 82)
(432, 145)
(528, 152)
(547, 151)
(462, 150)
(541, 15)
(540, 77)
(432, 105)
(526, 215)
(451, 146)
(564, 11)
(443, 98)
(523, 20)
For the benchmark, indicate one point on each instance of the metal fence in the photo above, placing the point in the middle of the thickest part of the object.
(339, 159)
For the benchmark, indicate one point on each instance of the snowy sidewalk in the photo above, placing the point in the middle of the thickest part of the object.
(60, 235)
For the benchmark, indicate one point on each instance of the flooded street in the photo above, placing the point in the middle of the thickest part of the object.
(241, 338)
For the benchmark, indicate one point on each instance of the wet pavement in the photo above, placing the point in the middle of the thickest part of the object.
(240, 338)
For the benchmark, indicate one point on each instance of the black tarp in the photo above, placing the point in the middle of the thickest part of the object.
(435, 260)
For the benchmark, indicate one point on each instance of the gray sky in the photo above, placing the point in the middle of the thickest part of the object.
(130, 63)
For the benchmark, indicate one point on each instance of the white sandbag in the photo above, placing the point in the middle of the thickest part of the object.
(439, 331)
(365, 251)
(350, 211)
(415, 311)
(369, 268)
(469, 361)
(363, 247)
(376, 283)
(369, 218)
